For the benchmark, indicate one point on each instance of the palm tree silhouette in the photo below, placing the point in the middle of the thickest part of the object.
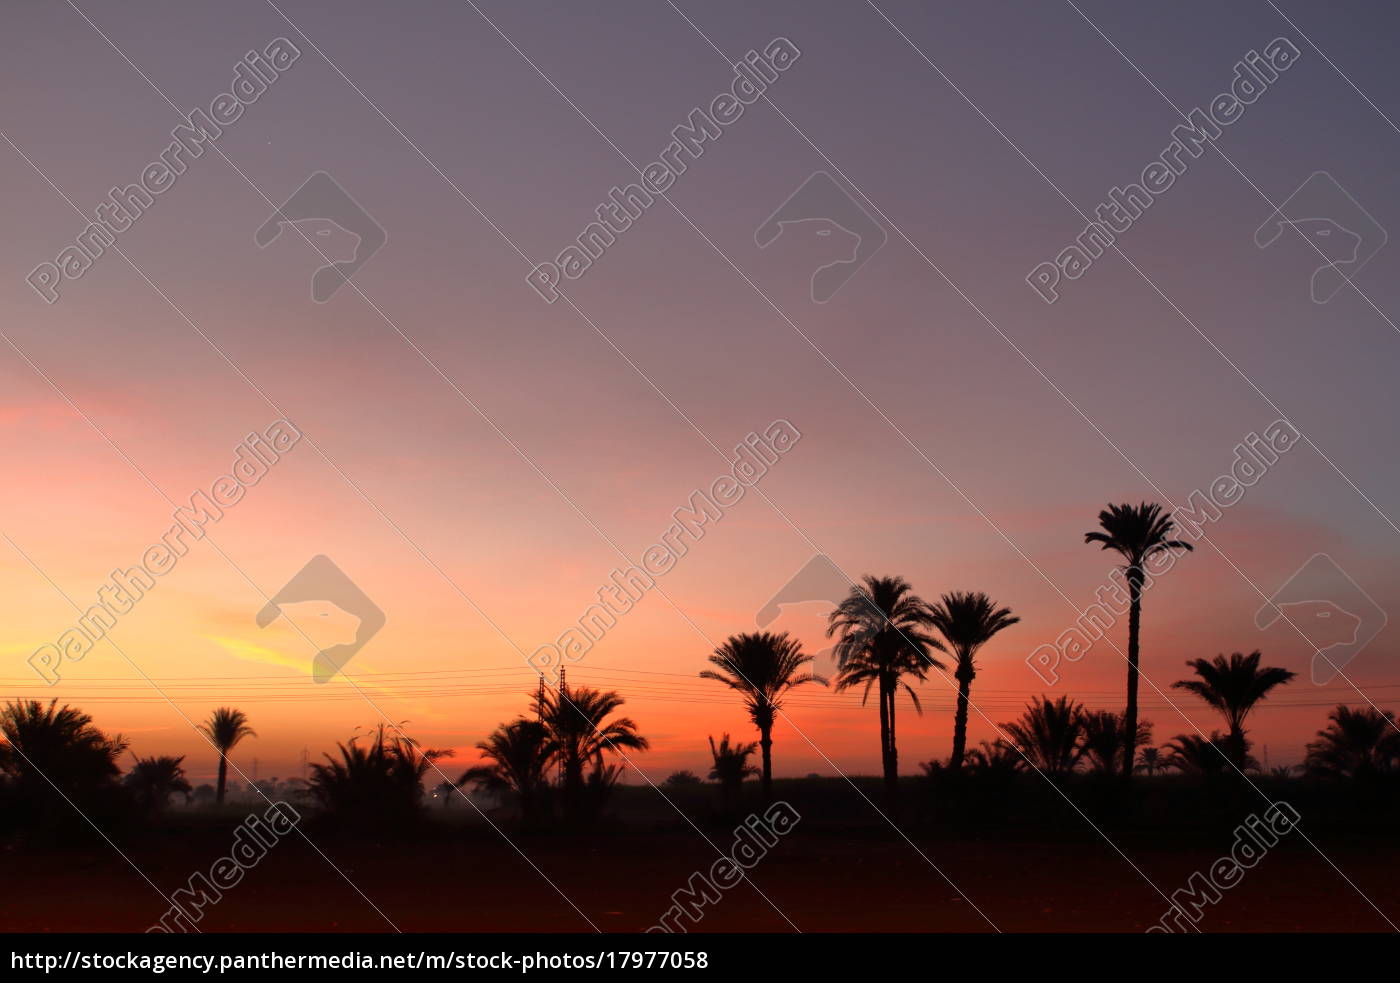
(1136, 533)
(882, 630)
(1103, 738)
(225, 728)
(1358, 742)
(154, 780)
(1233, 687)
(49, 753)
(1151, 760)
(731, 768)
(967, 621)
(519, 754)
(378, 783)
(1194, 754)
(993, 757)
(762, 667)
(1050, 734)
(579, 734)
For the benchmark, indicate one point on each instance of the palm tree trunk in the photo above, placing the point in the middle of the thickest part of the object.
(885, 737)
(960, 722)
(765, 741)
(1237, 745)
(1130, 714)
(891, 762)
(223, 778)
(573, 786)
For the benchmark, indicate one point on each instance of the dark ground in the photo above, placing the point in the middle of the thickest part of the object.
(847, 871)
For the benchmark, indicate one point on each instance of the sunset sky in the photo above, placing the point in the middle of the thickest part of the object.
(478, 461)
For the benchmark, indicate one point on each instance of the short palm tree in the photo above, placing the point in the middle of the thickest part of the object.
(1150, 760)
(1049, 734)
(731, 768)
(994, 757)
(1193, 754)
(682, 778)
(518, 753)
(762, 668)
(1234, 686)
(225, 728)
(967, 621)
(154, 780)
(375, 784)
(1103, 739)
(882, 631)
(579, 733)
(1136, 533)
(1358, 742)
(49, 753)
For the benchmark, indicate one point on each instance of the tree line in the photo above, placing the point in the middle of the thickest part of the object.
(563, 757)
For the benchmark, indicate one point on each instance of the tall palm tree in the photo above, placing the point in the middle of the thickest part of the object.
(967, 621)
(883, 635)
(579, 734)
(1233, 686)
(1358, 742)
(762, 667)
(225, 728)
(1050, 734)
(1136, 533)
(519, 756)
(154, 780)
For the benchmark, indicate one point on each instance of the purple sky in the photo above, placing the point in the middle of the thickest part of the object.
(477, 458)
